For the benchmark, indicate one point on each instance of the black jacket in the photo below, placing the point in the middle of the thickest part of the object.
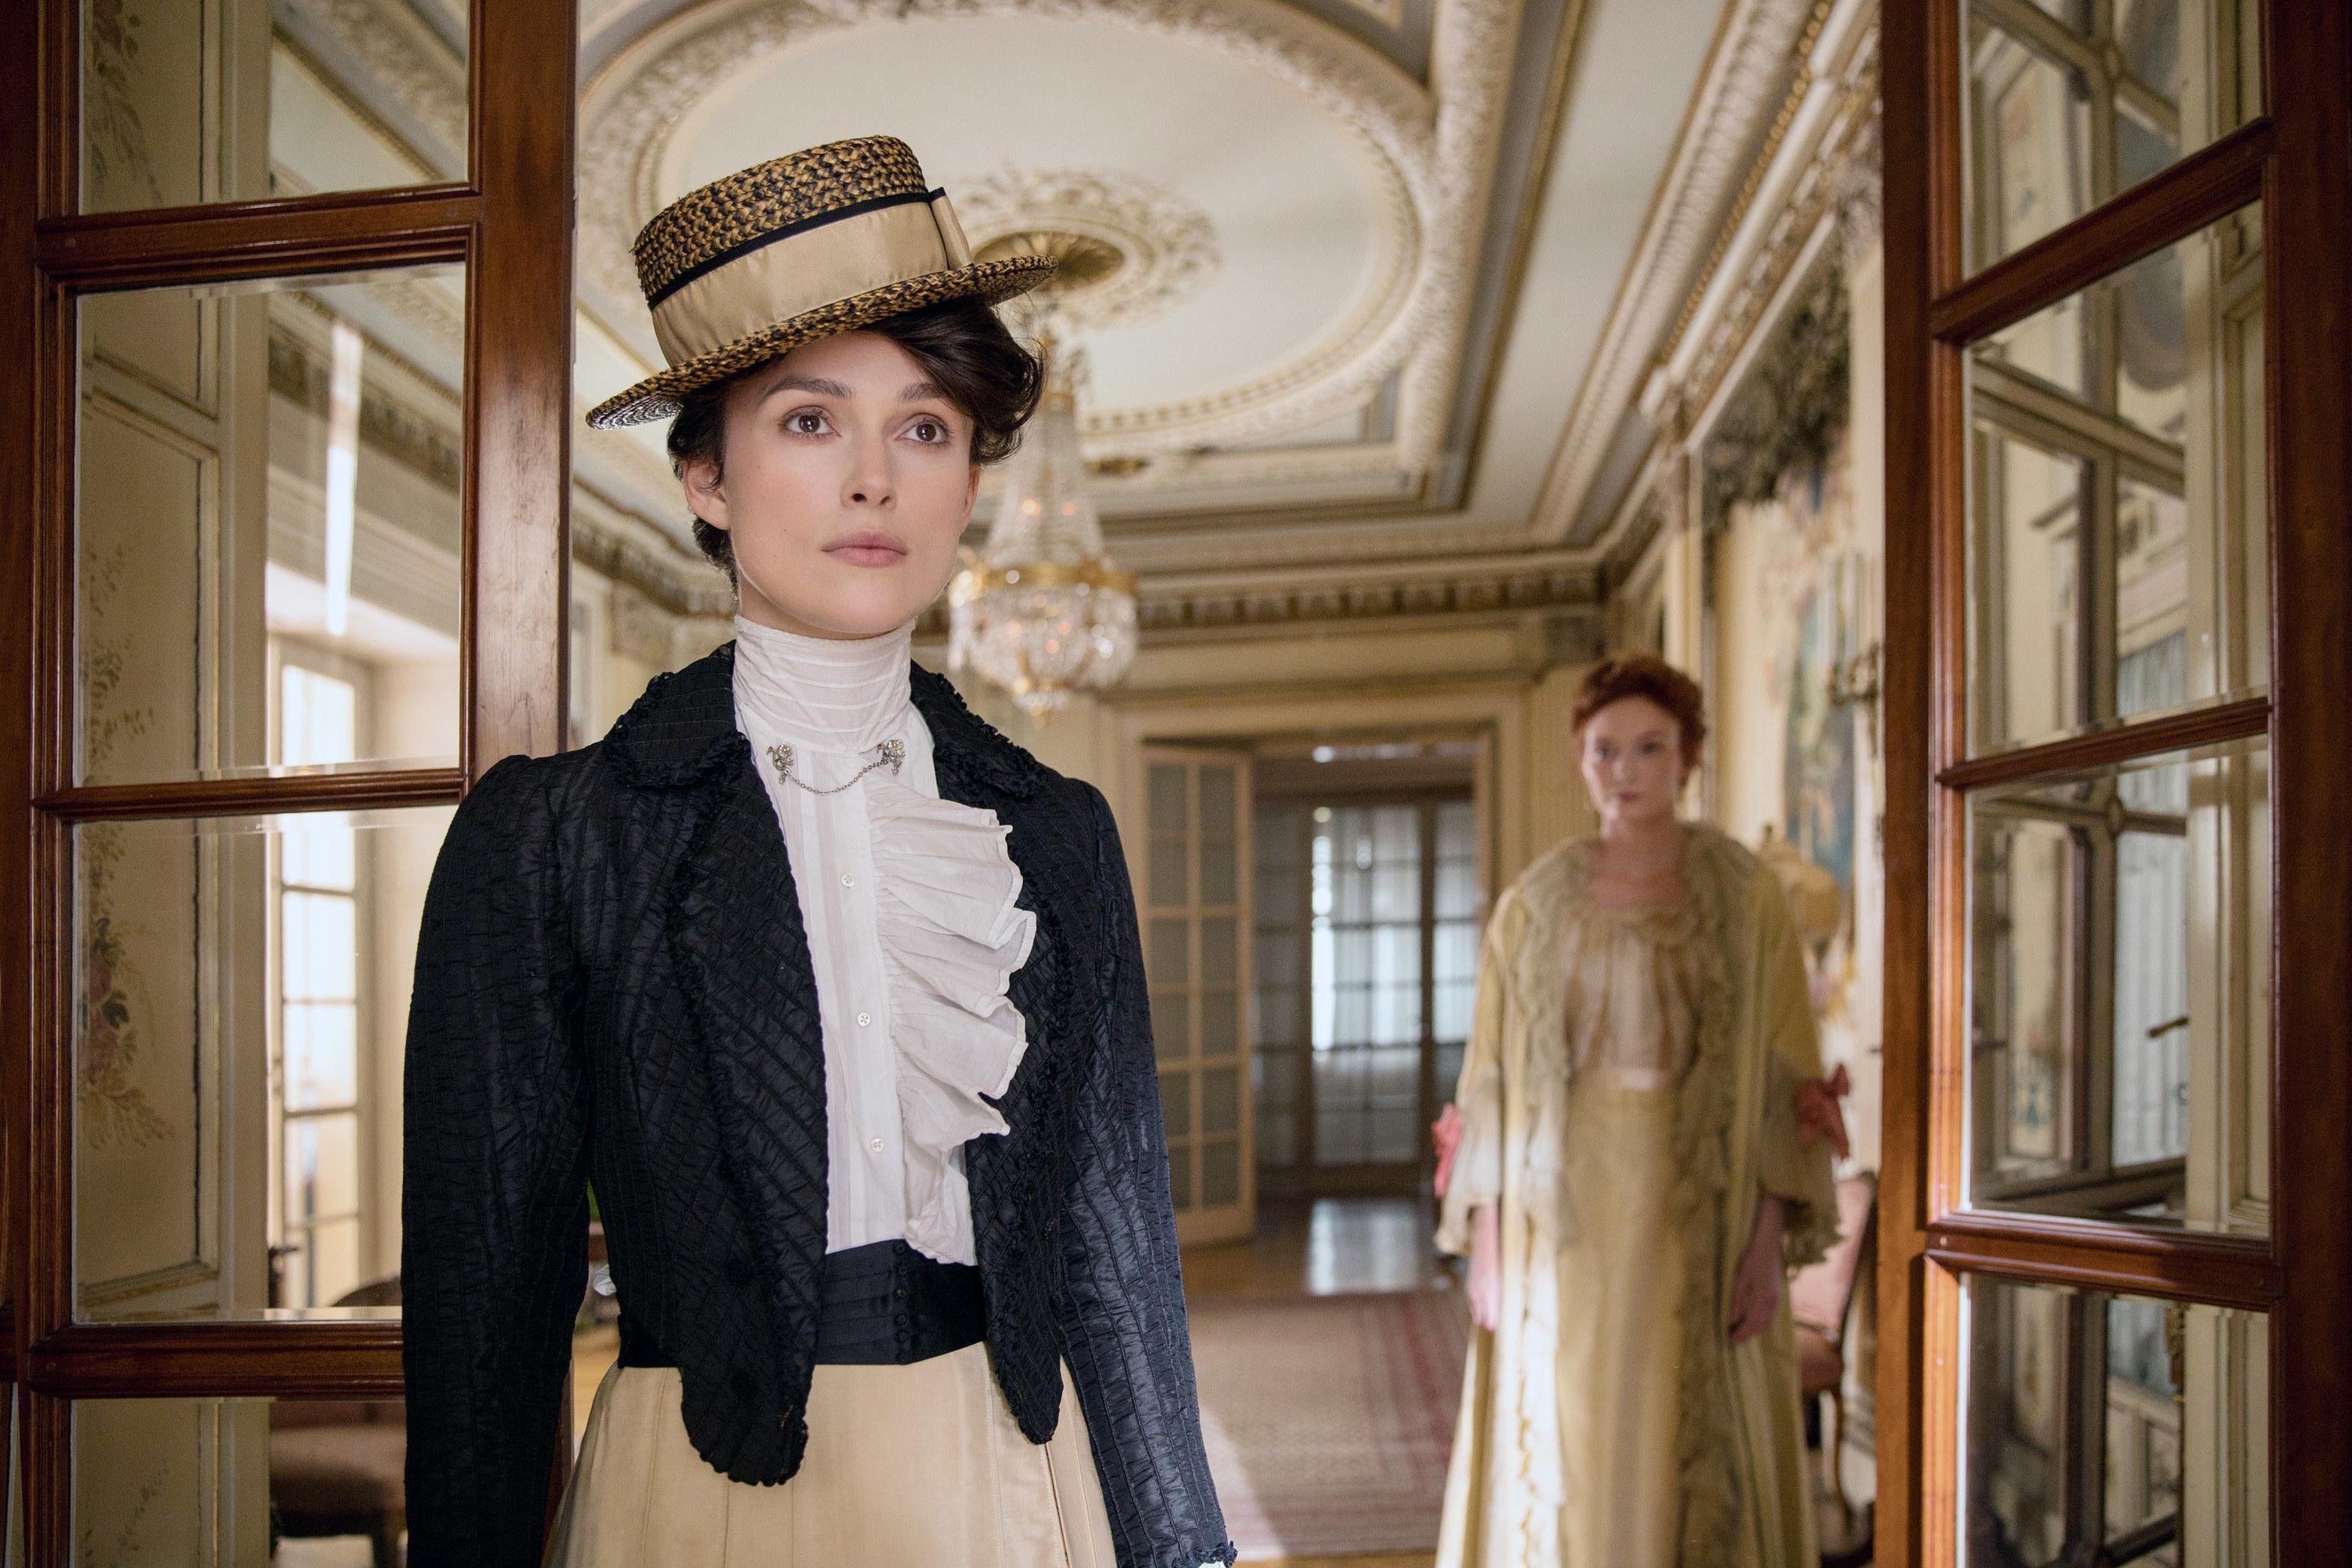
(613, 983)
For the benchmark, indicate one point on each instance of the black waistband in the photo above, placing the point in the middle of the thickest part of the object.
(886, 1304)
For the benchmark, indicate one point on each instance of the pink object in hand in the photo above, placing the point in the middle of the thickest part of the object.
(1447, 1133)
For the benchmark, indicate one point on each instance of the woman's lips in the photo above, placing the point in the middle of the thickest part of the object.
(870, 548)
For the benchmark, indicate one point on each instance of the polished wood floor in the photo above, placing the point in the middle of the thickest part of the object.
(1324, 1246)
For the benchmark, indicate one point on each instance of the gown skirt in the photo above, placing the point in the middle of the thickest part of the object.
(904, 1465)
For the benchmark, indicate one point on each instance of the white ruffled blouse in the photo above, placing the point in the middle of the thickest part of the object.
(908, 903)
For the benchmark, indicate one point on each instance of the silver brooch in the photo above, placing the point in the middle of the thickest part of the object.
(894, 753)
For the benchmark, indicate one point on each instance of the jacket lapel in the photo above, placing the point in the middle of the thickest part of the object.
(741, 956)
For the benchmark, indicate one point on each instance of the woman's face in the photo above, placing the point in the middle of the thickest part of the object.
(1633, 761)
(848, 483)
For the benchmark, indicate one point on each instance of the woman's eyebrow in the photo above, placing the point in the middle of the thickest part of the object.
(916, 391)
(817, 384)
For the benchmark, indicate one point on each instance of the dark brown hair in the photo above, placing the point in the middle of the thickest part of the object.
(984, 371)
(1642, 675)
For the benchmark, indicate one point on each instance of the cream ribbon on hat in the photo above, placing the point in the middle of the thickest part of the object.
(801, 270)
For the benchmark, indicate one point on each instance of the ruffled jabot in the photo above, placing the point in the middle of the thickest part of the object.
(945, 904)
(951, 941)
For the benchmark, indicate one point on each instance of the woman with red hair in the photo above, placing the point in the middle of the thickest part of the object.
(1632, 1180)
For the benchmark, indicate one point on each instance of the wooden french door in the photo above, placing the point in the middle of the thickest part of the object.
(283, 472)
(1192, 882)
(2115, 1298)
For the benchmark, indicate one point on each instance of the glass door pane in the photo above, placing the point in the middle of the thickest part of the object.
(2117, 556)
(2072, 102)
(2112, 1429)
(1195, 909)
(223, 1483)
(2119, 993)
(244, 990)
(1368, 997)
(189, 101)
(270, 492)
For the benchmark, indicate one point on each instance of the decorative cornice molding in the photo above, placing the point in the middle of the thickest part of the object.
(1839, 183)
(1229, 601)
(680, 585)
(1790, 405)
(1757, 55)
(1512, 585)
(403, 58)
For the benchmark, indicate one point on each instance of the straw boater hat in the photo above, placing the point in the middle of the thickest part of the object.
(795, 250)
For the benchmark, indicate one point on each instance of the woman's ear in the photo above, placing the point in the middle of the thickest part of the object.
(705, 496)
(971, 495)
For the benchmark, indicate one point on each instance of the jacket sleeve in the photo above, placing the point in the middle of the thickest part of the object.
(1121, 1313)
(494, 1195)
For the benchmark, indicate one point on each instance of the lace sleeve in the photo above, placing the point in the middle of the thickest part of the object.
(1477, 1174)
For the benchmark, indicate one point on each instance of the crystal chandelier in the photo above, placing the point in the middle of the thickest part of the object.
(1041, 611)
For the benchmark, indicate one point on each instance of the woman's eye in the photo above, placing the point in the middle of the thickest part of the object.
(928, 430)
(807, 421)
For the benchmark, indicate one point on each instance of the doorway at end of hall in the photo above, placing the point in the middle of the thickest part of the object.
(1366, 929)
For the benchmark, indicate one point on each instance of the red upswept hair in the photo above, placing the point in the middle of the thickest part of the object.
(1648, 675)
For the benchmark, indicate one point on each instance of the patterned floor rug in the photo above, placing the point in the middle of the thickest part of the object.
(1328, 1418)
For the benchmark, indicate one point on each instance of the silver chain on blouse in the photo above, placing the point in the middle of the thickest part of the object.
(894, 753)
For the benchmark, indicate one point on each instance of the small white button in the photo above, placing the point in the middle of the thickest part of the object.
(876, 1145)
(847, 880)
(863, 1019)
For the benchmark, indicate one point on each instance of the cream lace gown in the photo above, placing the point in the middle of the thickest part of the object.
(1628, 1096)
(1631, 998)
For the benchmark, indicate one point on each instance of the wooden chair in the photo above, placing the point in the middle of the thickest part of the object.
(1821, 1297)
(337, 1467)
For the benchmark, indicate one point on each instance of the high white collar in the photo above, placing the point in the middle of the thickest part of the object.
(818, 692)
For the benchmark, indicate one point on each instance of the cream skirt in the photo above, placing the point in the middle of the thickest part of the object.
(906, 1465)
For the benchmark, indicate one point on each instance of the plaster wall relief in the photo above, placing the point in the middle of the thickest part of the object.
(171, 1480)
(173, 96)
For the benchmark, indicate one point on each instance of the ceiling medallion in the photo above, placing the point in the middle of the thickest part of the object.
(1129, 249)
(1082, 261)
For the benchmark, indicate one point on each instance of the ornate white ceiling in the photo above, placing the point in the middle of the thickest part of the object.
(1400, 270)
(1339, 197)
(1415, 292)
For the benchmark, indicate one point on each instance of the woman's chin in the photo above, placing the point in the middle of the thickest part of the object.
(845, 616)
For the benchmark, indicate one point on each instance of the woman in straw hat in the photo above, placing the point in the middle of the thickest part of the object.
(832, 991)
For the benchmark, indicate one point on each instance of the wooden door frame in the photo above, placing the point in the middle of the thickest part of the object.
(2298, 160)
(509, 222)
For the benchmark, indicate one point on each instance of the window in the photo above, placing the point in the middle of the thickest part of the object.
(316, 1068)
